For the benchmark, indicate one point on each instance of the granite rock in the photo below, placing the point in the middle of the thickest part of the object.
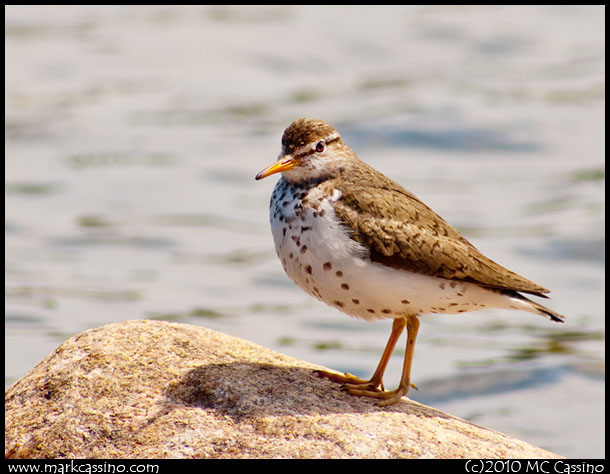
(154, 389)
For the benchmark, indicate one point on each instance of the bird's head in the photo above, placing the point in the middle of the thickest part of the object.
(311, 150)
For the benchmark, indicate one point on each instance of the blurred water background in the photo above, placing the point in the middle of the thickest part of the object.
(133, 134)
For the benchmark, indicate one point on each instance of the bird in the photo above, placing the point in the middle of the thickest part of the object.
(358, 241)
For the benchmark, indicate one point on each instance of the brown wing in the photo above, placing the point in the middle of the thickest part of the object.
(402, 232)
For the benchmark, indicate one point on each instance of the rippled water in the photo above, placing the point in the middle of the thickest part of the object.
(133, 135)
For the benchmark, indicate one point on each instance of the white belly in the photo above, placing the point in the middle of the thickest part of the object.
(318, 254)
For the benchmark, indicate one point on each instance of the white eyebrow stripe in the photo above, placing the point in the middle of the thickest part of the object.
(328, 139)
(307, 149)
(332, 137)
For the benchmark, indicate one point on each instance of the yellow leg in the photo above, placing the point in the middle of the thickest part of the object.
(375, 382)
(394, 396)
(374, 387)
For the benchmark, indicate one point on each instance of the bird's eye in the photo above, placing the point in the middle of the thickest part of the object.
(320, 146)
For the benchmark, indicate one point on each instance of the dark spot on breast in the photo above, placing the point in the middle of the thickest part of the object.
(339, 273)
(453, 284)
(338, 303)
(405, 301)
(291, 255)
(327, 266)
(356, 301)
(371, 310)
(345, 286)
(321, 212)
(305, 228)
(386, 311)
(304, 249)
(308, 269)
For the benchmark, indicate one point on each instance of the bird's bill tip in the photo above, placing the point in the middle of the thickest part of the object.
(283, 164)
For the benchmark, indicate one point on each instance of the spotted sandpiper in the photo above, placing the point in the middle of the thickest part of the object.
(355, 239)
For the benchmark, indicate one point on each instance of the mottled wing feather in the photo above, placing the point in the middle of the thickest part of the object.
(402, 232)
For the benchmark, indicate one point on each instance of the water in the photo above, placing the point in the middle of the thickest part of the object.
(133, 135)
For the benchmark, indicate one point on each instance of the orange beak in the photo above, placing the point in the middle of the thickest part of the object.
(286, 163)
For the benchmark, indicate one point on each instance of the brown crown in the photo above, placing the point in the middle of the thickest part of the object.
(304, 131)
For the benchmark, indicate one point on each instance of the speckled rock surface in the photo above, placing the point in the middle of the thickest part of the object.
(153, 389)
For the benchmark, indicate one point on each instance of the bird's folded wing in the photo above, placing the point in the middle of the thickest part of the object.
(402, 232)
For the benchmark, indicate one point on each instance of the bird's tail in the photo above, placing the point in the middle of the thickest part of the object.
(539, 309)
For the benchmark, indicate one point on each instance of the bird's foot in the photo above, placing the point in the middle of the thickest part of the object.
(366, 388)
(350, 381)
(387, 398)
